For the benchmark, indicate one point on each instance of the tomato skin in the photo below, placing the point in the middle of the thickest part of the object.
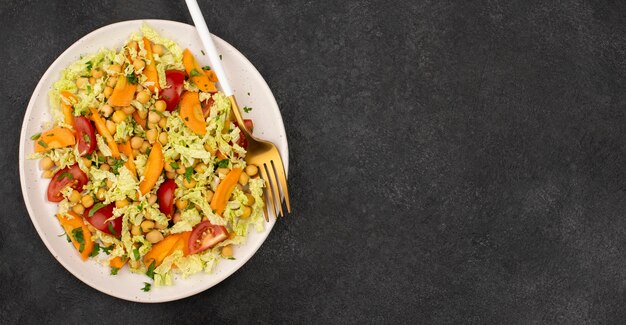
(58, 183)
(171, 95)
(100, 217)
(165, 195)
(84, 130)
(243, 141)
(208, 234)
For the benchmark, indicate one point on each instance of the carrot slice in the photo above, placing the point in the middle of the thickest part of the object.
(55, 138)
(161, 250)
(191, 112)
(154, 167)
(139, 120)
(150, 70)
(117, 262)
(104, 132)
(123, 93)
(225, 190)
(211, 75)
(128, 151)
(194, 70)
(67, 101)
(70, 226)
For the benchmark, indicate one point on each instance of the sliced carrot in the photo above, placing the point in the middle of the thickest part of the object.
(161, 250)
(211, 75)
(54, 139)
(67, 101)
(182, 243)
(128, 151)
(154, 167)
(117, 262)
(150, 70)
(104, 132)
(194, 71)
(191, 112)
(69, 225)
(225, 190)
(139, 120)
(123, 93)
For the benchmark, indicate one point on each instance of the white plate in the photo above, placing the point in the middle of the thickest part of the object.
(268, 124)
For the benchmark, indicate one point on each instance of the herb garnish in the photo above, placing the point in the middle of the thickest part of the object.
(114, 270)
(188, 172)
(43, 144)
(174, 165)
(146, 287)
(35, 136)
(113, 232)
(95, 208)
(150, 271)
(67, 175)
(132, 78)
(206, 67)
(194, 73)
(223, 163)
(247, 109)
(78, 235)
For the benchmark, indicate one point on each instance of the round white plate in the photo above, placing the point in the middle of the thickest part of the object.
(244, 78)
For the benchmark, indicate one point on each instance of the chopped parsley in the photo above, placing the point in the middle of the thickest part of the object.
(89, 65)
(136, 254)
(174, 165)
(194, 73)
(248, 94)
(35, 136)
(78, 235)
(146, 287)
(131, 78)
(95, 208)
(107, 249)
(117, 164)
(67, 175)
(206, 67)
(150, 271)
(247, 109)
(231, 258)
(188, 172)
(95, 251)
(113, 232)
(201, 51)
(114, 270)
(87, 138)
(220, 56)
(43, 144)
(223, 163)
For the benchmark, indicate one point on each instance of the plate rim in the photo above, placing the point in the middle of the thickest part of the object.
(21, 160)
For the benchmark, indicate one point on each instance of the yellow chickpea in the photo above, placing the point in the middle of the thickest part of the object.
(92, 81)
(151, 135)
(160, 105)
(111, 126)
(74, 196)
(97, 73)
(121, 203)
(139, 64)
(109, 183)
(118, 116)
(181, 169)
(136, 142)
(181, 204)
(170, 175)
(79, 209)
(87, 201)
(143, 97)
(252, 170)
(112, 82)
(143, 114)
(189, 184)
(227, 251)
(163, 138)
(246, 212)
(147, 225)
(135, 230)
(128, 110)
(132, 45)
(208, 196)
(154, 236)
(157, 49)
(106, 110)
(115, 68)
(176, 218)
(250, 198)
(210, 149)
(47, 174)
(100, 194)
(144, 147)
(86, 162)
(81, 82)
(223, 171)
(152, 199)
(162, 123)
(200, 168)
(105, 167)
(46, 163)
(243, 179)
(154, 117)
(108, 91)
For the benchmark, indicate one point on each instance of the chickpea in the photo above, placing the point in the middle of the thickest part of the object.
(47, 174)
(252, 170)
(100, 194)
(135, 230)
(143, 97)
(106, 110)
(97, 73)
(160, 106)
(163, 123)
(133, 264)
(227, 251)
(151, 126)
(209, 196)
(74, 196)
(132, 45)
(121, 203)
(189, 184)
(79, 209)
(200, 168)
(151, 135)
(152, 199)
(128, 110)
(112, 82)
(81, 82)
(139, 64)
(139, 88)
(176, 156)
(105, 167)
(115, 68)
(147, 225)
(108, 91)
(246, 212)
(87, 201)
(157, 49)
(109, 183)
(170, 175)
(154, 236)
(87, 162)
(243, 179)
(111, 126)
(181, 169)
(153, 117)
(210, 149)
(161, 226)
(177, 216)
(92, 81)
(163, 138)
(136, 142)
(118, 116)
(250, 198)
(135, 152)
(181, 204)
(143, 114)
(223, 171)
(144, 147)
(46, 163)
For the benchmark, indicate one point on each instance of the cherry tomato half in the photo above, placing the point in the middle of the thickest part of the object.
(68, 176)
(85, 134)
(206, 235)
(100, 217)
(165, 194)
(171, 95)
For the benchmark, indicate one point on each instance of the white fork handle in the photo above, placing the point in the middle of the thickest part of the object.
(209, 47)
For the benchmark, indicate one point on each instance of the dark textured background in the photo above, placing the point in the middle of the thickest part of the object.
(451, 162)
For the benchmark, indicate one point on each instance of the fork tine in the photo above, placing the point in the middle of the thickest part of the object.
(280, 174)
(268, 187)
(275, 187)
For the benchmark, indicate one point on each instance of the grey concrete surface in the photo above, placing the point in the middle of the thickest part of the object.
(451, 162)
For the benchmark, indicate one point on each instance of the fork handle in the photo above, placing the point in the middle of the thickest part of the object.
(209, 47)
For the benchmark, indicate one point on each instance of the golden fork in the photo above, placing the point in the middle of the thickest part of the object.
(261, 153)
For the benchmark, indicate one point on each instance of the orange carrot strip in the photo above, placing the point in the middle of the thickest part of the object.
(225, 190)
(54, 139)
(194, 70)
(69, 225)
(191, 112)
(154, 167)
(104, 132)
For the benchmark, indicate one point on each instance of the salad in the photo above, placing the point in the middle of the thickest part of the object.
(145, 162)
